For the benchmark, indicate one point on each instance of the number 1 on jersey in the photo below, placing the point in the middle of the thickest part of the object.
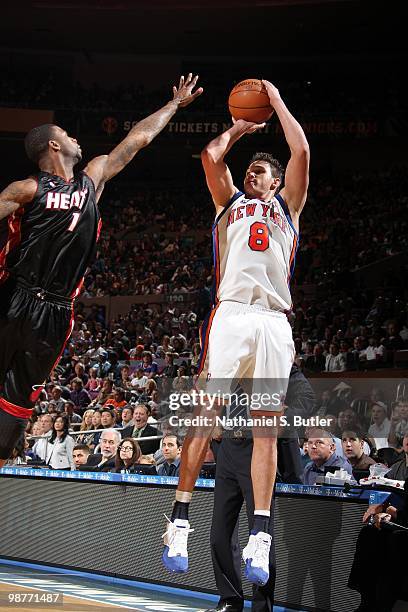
(75, 217)
(258, 237)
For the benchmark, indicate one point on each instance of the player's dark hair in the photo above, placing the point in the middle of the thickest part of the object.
(276, 168)
(36, 141)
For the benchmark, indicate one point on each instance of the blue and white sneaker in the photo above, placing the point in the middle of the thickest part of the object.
(256, 558)
(175, 555)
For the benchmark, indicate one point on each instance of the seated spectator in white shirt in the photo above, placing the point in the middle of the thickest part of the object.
(80, 454)
(380, 427)
(139, 380)
(374, 351)
(335, 361)
(41, 445)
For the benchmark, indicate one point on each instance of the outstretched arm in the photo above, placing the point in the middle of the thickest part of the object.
(15, 195)
(217, 173)
(297, 170)
(103, 168)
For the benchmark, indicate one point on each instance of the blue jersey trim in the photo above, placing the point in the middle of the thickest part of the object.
(287, 213)
(224, 210)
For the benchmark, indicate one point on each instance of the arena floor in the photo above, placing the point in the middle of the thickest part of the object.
(22, 588)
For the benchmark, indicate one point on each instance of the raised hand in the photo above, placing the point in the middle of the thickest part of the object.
(273, 92)
(184, 92)
(249, 127)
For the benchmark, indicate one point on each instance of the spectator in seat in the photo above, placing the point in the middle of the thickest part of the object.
(347, 419)
(321, 449)
(177, 340)
(40, 446)
(125, 378)
(80, 454)
(170, 369)
(102, 365)
(353, 449)
(399, 423)
(96, 420)
(104, 393)
(93, 385)
(108, 418)
(86, 425)
(69, 410)
(139, 380)
(126, 416)
(56, 396)
(393, 341)
(79, 372)
(105, 460)
(108, 421)
(399, 470)
(149, 367)
(357, 352)
(141, 429)
(335, 361)
(316, 362)
(380, 425)
(171, 449)
(78, 395)
(127, 456)
(61, 444)
(118, 400)
(375, 351)
(96, 424)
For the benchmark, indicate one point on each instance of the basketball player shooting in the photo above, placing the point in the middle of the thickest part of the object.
(53, 224)
(255, 237)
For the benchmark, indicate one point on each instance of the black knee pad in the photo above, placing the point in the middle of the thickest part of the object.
(11, 429)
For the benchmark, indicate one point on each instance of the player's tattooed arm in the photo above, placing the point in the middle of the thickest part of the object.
(103, 168)
(17, 194)
(297, 170)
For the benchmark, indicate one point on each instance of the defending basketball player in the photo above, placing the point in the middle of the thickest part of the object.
(255, 238)
(53, 224)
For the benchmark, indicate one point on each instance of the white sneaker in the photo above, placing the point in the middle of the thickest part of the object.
(175, 555)
(256, 558)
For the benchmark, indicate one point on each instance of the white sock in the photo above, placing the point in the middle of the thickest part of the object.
(262, 513)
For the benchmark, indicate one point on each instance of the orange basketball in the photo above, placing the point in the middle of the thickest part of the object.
(249, 100)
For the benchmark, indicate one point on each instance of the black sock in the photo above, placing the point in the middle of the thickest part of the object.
(261, 523)
(180, 511)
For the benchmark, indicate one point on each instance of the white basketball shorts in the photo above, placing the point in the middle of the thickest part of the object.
(247, 343)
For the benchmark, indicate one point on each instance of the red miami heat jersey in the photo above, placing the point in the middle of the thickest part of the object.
(49, 242)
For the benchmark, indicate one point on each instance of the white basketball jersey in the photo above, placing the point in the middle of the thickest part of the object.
(254, 245)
